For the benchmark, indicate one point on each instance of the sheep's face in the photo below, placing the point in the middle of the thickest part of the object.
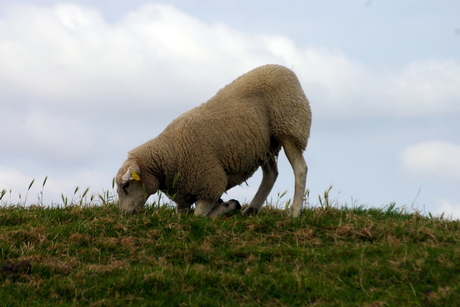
(132, 192)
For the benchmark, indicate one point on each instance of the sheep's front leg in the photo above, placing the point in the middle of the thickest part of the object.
(203, 207)
(183, 208)
(300, 168)
(269, 175)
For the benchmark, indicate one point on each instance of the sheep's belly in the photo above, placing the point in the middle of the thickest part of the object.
(237, 179)
(246, 171)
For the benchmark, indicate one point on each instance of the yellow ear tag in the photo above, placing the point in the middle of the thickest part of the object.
(135, 176)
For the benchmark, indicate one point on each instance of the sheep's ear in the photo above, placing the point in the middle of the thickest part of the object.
(132, 174)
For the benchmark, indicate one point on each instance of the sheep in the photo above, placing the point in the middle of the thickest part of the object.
(221, 143)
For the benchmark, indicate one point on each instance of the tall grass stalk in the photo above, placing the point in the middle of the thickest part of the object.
(2, 193)
(40, 197)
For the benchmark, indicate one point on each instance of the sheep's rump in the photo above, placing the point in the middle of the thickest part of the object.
(242, 126)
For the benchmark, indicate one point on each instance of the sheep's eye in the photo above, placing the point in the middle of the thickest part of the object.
(125, 187)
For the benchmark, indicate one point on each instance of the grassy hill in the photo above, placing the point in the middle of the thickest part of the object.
(97, 256)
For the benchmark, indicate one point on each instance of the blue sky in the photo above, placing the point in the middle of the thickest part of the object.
(84, 82)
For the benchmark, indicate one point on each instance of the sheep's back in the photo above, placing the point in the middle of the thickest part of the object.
(278, 93)
(240, 128)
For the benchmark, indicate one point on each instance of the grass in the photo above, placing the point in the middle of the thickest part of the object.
(331, 256)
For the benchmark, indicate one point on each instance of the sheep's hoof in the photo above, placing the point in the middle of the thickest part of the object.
(237, 204)
(234, 204)
(251, 211)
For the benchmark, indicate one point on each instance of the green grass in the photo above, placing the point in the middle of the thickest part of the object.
(330, 256)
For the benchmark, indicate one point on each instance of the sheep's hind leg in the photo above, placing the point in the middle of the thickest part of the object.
(295, 157)
(269, 175)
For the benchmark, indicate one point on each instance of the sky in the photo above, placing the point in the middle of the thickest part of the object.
(84, 82)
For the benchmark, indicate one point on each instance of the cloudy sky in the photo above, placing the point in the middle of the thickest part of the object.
(84, 82)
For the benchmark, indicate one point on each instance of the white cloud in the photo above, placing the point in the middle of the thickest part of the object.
(449, 208)
(76, 89)
(428, 87)
(57, 139)
(435, 160)
(69, 56)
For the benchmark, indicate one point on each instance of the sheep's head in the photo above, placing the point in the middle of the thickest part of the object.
(132, 189)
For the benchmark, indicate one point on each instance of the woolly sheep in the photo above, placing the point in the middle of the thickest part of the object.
(221, 143)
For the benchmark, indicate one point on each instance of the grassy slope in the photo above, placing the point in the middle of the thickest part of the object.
(328, 257)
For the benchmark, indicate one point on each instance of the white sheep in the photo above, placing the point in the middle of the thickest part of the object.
(221, 143)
